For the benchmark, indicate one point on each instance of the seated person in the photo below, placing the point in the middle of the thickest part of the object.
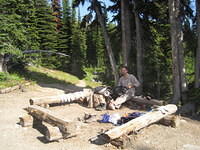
(126, 80)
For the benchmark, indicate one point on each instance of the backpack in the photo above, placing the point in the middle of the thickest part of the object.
(119, 91)
(103, 90)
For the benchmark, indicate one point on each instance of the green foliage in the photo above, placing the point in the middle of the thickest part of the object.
(194, 95)
(44, 25)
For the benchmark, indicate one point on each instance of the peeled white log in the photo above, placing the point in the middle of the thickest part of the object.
(64, 98)
(140, 122)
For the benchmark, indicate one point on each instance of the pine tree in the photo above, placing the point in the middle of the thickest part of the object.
(64, 36)
(46, 28)
(78, 46)
(56, 6)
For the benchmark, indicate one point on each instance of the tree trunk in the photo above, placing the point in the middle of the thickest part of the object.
(3, 64)
(106, 38)
(182, 64)
(126, 31)
(140, 122)
(197, 65)
(174, 14)
(158, 85)
(139, 48)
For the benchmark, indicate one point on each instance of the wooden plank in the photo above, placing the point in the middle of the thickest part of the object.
(140, 122)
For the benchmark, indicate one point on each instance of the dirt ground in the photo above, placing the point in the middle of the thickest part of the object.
(15, 137)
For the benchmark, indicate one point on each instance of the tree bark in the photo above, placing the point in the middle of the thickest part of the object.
(3, 64)
(106, 38)
(140, 122)
(139, 48)
(174, 14)
(197, 62)
(126, 31)
(183, 83)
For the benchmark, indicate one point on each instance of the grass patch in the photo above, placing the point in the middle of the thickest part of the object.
(44, 75)
(9, 80)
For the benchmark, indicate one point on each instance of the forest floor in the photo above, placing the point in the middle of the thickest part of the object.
(15, 137)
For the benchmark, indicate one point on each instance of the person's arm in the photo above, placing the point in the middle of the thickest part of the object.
(134, 81)
(119, 82)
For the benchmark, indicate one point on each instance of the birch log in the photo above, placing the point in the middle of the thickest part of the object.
(60, 99)
(140, 122)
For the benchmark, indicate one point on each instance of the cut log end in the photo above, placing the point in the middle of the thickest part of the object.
(26, 121)
(171, 120)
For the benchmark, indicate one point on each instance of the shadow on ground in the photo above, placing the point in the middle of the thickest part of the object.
(44, 80)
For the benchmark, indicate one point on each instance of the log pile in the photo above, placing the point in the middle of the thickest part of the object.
(55, 127)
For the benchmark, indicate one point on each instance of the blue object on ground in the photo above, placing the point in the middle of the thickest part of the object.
(130, 117)
(105, 118)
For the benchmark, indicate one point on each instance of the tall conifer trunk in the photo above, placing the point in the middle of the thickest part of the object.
(197, 61)
(126, 31)
(3, 64)
(139, 48)
(178, 70)
(106, 38)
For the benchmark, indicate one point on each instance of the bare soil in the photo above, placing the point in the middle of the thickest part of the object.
(15, 137)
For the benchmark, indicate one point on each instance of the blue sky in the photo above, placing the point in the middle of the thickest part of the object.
(84, 11)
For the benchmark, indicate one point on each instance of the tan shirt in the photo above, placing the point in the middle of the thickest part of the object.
(130, 80)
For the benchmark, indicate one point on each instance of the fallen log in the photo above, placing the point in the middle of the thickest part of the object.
(149, 102)
(52, 133)
(140, 122)
(26, 121)
(10, 89)
(61, 99)
(67, 128)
